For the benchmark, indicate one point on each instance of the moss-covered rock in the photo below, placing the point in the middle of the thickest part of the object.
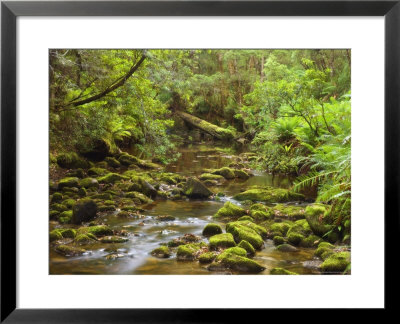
(112, 162)
(300, 226)
(112, 178)
(194, 188)
(65, 217)
(53, 214)
(97, 230)
(83, 239)
(230, 210)
(82, 192)
(287, 248)
(84, 210)
(248, 247)
(212, 229)
(227, 173)
(96, 172)
(58, 207)
(210, 176)
(104, 208)
(207, 257)
(322, 248)
(241, 231)
(281, 228)
(336, 263)
(269, 195)
(188, 252)
(288, 211)
(71, 161)
(311, 241)
(281, 271)
(278, 240)
(55, 235)
(161, 252)
(246, 218)
(76, 173)
(113, 239)
(89, 183)
(69, 250)
(295, 238)
(237, 263)
(221, 241)
(138, 197)
(319, 218)
(127, 159)
(68, 182)
(69, 203)
(56, 197)
(241, 174)
(233, 250)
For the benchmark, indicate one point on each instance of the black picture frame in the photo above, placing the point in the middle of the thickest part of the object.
(10, 10)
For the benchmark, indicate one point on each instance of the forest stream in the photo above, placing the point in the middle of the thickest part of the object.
(190, 217)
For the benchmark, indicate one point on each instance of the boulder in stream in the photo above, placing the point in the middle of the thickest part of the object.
(194, 188)
(84, 210)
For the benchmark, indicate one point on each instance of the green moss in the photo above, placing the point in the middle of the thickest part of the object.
(56, 197)
(68, 250)
(241, 231)
(319, 218)
(69, 203)
(188, 251)
(98, 230)
(65, 217)
(194, 188)
(212, 229)
(323, 247)
(248, 247)
(207, 257)
(53, 214)
(104, 208)
(278, 240)
(241, 174)
(68, 182)
(221, 241)
(269, 195)
(161, 252)
(103, 196)
(89, 183)
(300, 226)
(112, 178)
(246, 218)
(240, 263)
(168, 179)
(226, 172)
(281, 271)
(127, 159)
(310, 241)
(295, 238)
(210, 176)
(281, 228)
(230, 210)
(336, 262)
(68, 232)
(109, 203)
(232, 251)
(83, 239)
(113, 239)
(139, 196)
(55, 235)
(97, 172)
(287, 211)
(112, 162)
(71, 161)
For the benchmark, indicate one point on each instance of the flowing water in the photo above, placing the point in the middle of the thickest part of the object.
(146, 233)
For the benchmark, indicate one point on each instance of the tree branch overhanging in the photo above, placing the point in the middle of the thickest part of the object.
(116, 84)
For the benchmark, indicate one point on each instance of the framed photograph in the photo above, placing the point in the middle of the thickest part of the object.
(160, 158)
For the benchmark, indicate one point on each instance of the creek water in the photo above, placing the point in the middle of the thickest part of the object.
(147, 233)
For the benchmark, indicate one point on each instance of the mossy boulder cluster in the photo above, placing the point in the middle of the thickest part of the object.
(268, 195)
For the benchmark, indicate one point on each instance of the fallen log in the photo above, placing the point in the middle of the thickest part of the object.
(215, 131)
